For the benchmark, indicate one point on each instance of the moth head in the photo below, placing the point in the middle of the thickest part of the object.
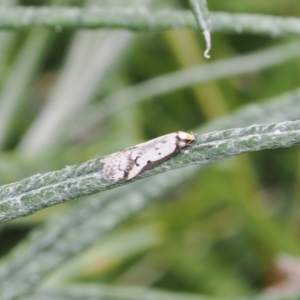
(184, 138)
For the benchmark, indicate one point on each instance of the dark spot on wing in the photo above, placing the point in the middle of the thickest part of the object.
(136, 161)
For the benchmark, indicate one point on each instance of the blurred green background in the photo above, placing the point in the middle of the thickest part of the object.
(218, 234)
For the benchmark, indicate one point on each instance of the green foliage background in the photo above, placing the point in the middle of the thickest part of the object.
(218, 234)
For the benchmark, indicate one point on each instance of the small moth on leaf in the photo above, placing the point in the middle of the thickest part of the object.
(130, 162)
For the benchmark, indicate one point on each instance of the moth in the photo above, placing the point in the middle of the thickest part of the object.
(130, 162)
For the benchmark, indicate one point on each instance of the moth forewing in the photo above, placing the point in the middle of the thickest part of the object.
(152, 157)
(128, 163)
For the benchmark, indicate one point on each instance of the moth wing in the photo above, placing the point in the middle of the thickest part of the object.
(157, 153)
(116, 164)
(132, 161)
(152, 154)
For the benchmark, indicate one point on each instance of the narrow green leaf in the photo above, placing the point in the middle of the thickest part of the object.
(134, 19)
(200, 10)
(41, 191)
(243, 64)
(89, 218)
